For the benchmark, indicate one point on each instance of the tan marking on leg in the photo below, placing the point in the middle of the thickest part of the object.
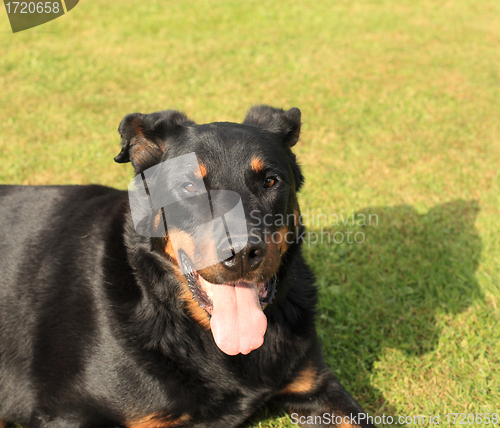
(154, 421)
(257, 164)
(344, 425)
(304, 381)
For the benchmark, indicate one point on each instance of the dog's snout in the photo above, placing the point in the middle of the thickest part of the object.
(254, 253)
(249, 258)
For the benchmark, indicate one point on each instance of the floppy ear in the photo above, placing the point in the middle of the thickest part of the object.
(278, 121)
(144, 136)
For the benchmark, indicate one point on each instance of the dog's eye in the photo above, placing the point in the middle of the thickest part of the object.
(190, 187)
(270, 182)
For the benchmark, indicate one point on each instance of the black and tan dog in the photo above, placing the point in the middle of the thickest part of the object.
(99, 327)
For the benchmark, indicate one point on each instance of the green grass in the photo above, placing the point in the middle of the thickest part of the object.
(400, 110)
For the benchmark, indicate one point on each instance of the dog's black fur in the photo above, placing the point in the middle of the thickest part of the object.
(97, 328)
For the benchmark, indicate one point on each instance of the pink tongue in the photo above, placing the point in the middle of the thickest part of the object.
(238, 323)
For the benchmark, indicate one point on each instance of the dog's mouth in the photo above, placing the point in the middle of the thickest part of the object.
(237, 319)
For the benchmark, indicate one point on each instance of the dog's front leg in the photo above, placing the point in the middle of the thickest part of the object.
(315, 398)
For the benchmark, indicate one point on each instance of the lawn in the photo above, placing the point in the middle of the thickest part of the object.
(400, 105)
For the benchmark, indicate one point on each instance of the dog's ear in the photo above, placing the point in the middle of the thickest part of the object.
(145, 136)
(281, 122)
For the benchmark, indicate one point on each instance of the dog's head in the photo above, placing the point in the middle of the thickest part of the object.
(219, 201)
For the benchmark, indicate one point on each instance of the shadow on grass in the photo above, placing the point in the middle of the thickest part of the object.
(388, 290)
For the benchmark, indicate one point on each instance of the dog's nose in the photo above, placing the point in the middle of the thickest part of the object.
(248, 259)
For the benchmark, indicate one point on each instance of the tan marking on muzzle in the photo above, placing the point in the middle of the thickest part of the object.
(194, 310)
(185, 242)
(284, 237)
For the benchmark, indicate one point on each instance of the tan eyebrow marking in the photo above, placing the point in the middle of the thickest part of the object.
(202, 170)
(257, 164)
